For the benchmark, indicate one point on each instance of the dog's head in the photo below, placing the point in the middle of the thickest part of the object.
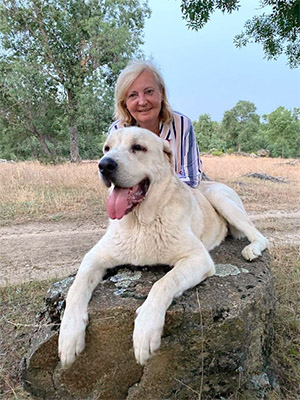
(134, 159)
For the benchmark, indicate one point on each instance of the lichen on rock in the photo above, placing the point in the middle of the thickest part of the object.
(229, 269)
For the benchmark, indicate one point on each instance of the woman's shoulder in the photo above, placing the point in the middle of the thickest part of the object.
(179, 116)
(182, 121)
(115, 125)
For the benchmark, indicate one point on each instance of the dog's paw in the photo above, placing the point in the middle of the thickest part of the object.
(251, 252)
(71, 340)
(148, 328)
(254, 249)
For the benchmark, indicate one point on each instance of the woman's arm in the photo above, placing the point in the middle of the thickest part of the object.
(190, 172)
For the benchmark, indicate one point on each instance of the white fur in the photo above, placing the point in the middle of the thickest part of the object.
(174, 225)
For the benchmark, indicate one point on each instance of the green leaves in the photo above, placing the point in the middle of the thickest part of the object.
(242, 130)
(197, 13)
(57, 55)
(208, 133)
(240, 124)
(283, 132)
(277, 30)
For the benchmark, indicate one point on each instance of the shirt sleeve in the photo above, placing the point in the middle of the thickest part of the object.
(190, 172)
(115, 125)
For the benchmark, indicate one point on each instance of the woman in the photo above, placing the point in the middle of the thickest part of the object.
(140, 99)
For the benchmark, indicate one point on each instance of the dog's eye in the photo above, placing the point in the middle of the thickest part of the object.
(106, 148)
(138, 147)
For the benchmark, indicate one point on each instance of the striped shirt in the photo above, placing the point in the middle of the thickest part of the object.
(181, 136)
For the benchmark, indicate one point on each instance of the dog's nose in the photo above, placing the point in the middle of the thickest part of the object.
(107, 166)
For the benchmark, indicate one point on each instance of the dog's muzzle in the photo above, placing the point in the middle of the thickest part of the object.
(121, 200)
(107, 168)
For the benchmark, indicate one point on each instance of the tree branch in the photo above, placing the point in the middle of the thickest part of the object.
(46, 44)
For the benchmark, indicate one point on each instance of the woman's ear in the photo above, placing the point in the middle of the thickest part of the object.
(168, 152)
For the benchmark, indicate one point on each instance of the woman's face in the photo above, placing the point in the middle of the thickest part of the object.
(143, 100)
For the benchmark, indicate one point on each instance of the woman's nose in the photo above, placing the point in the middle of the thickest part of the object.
(142, 99)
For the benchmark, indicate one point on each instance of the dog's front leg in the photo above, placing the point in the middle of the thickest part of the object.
(72, 331)
(187, 272)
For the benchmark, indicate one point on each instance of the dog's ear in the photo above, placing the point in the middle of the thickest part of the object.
(167, 150)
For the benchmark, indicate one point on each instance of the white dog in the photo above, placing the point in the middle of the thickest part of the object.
(155, 219)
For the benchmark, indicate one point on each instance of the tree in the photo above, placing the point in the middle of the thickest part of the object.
(283, 132)
(240, 126)
(277, 29)
(208, 133)
(74, 46)
(29, 111)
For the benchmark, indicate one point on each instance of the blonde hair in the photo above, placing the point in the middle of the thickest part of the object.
(125, 80)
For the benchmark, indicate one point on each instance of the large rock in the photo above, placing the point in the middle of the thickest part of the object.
(216, 341)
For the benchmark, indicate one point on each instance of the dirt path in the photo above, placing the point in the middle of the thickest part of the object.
(37, 251)
(282, 228)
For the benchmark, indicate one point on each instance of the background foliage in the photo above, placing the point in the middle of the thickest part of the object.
(242, 130)
(277, 29)
(59, 60)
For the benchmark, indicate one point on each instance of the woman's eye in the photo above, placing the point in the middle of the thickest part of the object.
(150, 91)
(131, 95)
(137, 147)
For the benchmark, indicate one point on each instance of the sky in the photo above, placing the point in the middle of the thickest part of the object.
(205, 73)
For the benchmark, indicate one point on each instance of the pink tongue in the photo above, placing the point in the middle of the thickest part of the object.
(119, 201)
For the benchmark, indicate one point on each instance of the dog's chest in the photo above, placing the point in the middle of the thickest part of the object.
(147, 244)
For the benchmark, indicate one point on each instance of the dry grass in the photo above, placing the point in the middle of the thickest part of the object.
(18, 305)
(34, 191)
(285, 266)
(276, 196)
(31, 191)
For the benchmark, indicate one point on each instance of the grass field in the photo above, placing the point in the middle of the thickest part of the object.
(31, 192)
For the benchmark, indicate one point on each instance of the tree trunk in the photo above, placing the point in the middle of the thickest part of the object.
(43, 143)
(282, 145)
(74, 149)
(45, 147)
